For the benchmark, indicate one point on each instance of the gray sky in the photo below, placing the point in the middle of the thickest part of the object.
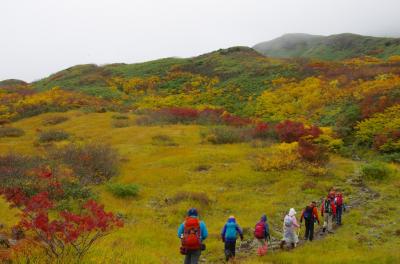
(40, 37)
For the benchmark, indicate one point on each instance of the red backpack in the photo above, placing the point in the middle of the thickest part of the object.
(339, 200)
(259, 231)
(191, 234)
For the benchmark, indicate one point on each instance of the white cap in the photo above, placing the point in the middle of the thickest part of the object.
(292, 212)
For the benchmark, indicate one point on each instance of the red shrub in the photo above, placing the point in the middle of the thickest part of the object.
(312, 153)
(291, 131)
(78, 231)
(379, 140)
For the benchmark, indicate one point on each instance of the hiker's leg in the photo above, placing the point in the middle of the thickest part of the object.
(311, 228)
(307, 234)
(195, 257)
(233, 249)
(330, 222)
(326, 218)
(339, 215)
(188, 257)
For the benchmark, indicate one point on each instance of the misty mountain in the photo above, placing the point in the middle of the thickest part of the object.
(334, 47)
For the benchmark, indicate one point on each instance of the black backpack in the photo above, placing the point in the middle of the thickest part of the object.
(327, 206)
(308, 213)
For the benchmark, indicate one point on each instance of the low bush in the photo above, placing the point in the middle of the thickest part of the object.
(92, 163)
(313, 153)
(120, 117)
(375, 171)
(15, 169)
(202, 167)
(279, 157)
(54, 120)
(123, 190)
(199, 197)
(52, 135)
(226, 135)
(7, 131)
(163, 140)
(120, 123)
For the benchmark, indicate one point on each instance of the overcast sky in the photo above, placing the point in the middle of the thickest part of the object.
(40, 37)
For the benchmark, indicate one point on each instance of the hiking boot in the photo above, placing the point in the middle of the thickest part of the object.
(293, 245)
(324, 229)
(282, 244)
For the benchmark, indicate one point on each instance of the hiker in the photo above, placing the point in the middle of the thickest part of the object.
(289, 229)
(192, 233)
(229, 235)
(310, 215)
(261, 233)
(328, 211)
(339, 207)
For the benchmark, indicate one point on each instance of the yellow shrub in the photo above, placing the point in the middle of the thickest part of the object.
(282, 156)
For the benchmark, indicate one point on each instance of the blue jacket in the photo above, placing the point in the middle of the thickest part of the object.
(203, 230)
(238, 229)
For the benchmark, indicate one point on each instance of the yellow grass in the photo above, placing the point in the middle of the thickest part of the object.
(231, 184)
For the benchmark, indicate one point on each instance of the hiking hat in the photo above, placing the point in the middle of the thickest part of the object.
(193, 212)
(292, 212)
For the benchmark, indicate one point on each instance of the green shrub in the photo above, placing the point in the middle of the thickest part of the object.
(123, 190)
(53, 135)
(375, 171)
(163, 140)
(8, 131)
(54, 120)
(227, 135)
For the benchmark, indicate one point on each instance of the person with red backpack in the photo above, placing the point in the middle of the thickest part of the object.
(192, 233)
(339, 207)
(310, 215)
(328, 211)
(261, 233)
(229, 235)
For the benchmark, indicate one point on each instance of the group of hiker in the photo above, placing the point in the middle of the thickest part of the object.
(193, 232)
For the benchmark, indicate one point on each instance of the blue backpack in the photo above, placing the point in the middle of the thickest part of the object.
(231, 232)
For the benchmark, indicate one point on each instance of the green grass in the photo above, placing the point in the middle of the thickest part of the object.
(231, 186)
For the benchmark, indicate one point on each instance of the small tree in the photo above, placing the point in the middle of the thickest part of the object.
(60, 233)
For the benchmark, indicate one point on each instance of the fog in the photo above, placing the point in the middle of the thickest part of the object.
(39, 37)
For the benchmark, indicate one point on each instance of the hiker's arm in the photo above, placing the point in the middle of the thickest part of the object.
(295, 222)
(240, 231)
(315, 212)
(322, 209)
(302, 216)
(180, 230)
(204, 232)
(223, 233)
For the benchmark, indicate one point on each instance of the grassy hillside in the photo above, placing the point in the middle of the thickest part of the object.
(334, 47)
(221, 181)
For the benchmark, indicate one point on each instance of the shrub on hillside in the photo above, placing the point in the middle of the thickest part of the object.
(123, 190)
(120, 123)
(200, 197)
(92, 163)
(120, 117)
(313, 153)
(163, 140)
(226, 135)
(375, 171)
(290, 131)
(15, 169)
(7, 131)
(52, 135)
(279, 157)
(54, 120)
(61, 234)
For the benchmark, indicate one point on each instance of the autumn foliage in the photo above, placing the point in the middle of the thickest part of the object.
(61, 233)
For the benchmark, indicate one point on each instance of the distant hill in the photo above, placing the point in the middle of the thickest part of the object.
(334, 47)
